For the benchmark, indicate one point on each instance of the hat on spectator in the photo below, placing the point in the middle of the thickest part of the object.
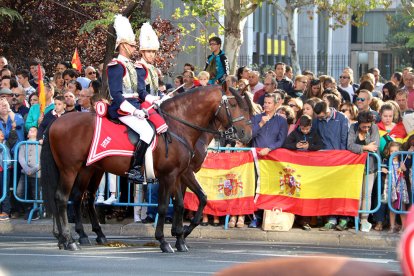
(148, 39)
(83, 81)
(124, 32)
(5, 91)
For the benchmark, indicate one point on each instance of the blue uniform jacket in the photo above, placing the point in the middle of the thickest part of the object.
(115, 80)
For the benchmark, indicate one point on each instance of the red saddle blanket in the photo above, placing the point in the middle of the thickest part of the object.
(110, 139)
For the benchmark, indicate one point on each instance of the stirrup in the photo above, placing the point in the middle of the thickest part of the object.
(135, 174)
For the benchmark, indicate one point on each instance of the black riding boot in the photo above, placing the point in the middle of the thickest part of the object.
(139, 157)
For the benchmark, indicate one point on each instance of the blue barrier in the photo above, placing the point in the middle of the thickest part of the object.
(367, 207)
(21, 193)
(4, 165)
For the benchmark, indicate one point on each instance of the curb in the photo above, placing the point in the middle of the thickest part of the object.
(294, 236)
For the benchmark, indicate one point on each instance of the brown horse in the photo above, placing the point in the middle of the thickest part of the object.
(68, 140)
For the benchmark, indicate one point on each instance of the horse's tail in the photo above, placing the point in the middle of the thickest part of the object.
(50, 175)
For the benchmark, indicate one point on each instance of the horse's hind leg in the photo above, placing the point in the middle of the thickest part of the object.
(61, 197)
(189, 180)
(163, 201)
(96, 227)
(177, 227)
(77, 204)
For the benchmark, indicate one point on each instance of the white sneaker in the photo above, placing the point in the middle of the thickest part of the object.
(100, 199)
(110, 200)
(137, 218)
(365, 226)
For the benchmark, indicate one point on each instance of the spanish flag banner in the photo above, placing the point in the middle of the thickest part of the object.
(229, 182)
(76, 62)
(41, 89)
(311, 183)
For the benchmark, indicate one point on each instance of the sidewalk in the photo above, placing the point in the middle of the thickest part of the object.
(128, 228)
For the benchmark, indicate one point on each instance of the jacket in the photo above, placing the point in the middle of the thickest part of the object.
(313, 138)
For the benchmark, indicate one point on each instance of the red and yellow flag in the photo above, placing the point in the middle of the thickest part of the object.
(41, 87)
(76, 62)
(229, 183)
(311, 183)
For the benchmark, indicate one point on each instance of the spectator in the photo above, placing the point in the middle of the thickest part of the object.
(75, 87)
(350, 111)
(68, 75)
(3, 62)
(269, 133)
(243, 73)
(51, 116)
(308, 107)
(231, 81)
(409, 88)
(363, 101)
(243, 86)
(23, 79)
(314, 89)
(90, 73)
(377, 78)
(402, 100)
(270, 85)
(203, 78)
(85, 100)
(300, 85)
(34, 118)
(33, 99)
(5, 205)
(70, 102)
(397, 79)
(363, 136)
(346, 83)
(35, 81)
(332, 126)
(59, 83)
(331, 99)
(388, 91)
(289, 72)
(18, 102)
(217, 64)
(282, 82)
(61, 67)
(5, 82)
(188, 78)
(189, 67)
(255, 84)
(6, 93)
(304, 137)
(399, 190)
(287, 112)
(29, 160)
(330, 83)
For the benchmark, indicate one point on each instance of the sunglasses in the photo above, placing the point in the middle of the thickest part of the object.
(344, 110)
(92, 73)
(343, 77)
(293, 105)
(360, 99)
(365, 127)
(15, 95)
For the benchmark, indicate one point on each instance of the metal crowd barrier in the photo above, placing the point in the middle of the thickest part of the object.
(367, 208)
(22, 193)
(4, 165)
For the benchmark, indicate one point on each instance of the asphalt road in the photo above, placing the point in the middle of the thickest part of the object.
(39, 255)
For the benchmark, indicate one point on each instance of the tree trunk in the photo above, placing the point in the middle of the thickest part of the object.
(110, 44)
(234, 22)
(289, 14)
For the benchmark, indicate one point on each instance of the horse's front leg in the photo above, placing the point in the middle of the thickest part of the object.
(77, 204)
(177, 227)
(163, 201)
(189, 180)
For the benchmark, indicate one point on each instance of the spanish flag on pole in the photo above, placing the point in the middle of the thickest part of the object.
(41, 87)
(311, 183)
(229, 183)
(76, 62)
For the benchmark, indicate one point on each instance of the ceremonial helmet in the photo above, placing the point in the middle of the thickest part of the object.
(124, 32)
(148, 39)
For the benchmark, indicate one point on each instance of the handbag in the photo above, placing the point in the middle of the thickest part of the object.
(277, 220)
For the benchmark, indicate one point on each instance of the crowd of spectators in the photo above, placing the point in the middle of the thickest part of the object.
(302, 112)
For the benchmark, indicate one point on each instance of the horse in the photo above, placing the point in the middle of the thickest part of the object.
(187, 115)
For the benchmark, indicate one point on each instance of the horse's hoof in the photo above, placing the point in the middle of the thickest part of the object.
(101, 240)
(181, 246)
(84, 241)
(166, 248)
(72, 246)
(61, 246)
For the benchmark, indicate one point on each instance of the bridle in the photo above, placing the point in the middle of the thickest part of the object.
(230, 133)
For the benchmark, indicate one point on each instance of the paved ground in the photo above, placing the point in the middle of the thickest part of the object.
(37, 254)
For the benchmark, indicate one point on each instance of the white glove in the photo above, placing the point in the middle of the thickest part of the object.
(157, 103)
(151, 99)
(140, 113)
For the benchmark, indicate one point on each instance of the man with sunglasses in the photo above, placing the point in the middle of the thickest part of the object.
(18, 101)
(363, 101)
(90, 73)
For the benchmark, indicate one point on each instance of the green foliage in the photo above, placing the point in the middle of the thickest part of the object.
(400, 38)
(8, 13)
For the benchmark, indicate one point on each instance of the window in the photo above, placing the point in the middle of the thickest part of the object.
(375, 31)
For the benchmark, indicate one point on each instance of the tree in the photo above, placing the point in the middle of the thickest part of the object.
(400, 38)
(235, 15)
(341, 11)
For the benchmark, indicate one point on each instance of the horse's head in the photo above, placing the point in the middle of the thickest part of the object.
(234, 114)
